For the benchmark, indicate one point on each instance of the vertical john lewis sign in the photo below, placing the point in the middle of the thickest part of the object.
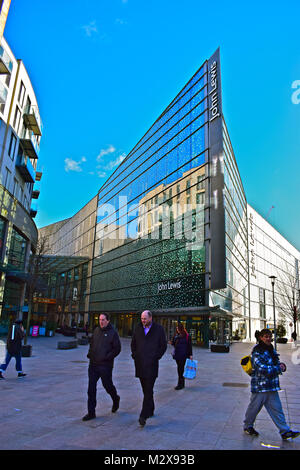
(216, 171)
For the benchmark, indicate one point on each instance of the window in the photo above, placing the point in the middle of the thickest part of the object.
(262, 301)
(201, 182)
(15, 189)
(28, 105)
(7, 177)
(200, 198)
(12, 146)
(21, 96)
(188, 187)
(262, 295)
(21, 195)
(17, 250)
(17, 119)
(2, 233)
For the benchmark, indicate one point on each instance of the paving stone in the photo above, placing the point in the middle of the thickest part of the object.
(44, 410)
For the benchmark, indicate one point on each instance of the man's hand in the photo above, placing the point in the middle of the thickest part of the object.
(282, 367)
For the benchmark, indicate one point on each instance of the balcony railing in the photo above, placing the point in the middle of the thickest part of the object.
(38, 175)
(6, 64)
(32, 119)
(3, 93)
(25, 168)
(35, 194)
(30, 144)
(33, 211)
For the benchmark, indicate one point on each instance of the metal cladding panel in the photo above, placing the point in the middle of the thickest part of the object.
(216, 170)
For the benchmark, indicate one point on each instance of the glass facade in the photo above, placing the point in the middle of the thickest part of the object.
(17, 250)
(235, 298)
(149, 246)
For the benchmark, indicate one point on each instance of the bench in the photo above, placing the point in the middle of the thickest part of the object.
(219, 348)
(67, 344)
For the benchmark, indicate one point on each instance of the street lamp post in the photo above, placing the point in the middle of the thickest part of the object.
(274, 318)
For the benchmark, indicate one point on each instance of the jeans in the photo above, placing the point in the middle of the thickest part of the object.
(8, 357)
(148, 402)
(95, 373)
(272, 403)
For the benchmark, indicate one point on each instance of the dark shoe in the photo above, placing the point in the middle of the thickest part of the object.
(20, 374)
(179, 387)
(290, 435)
(142, 421)
(88, 417)
(116, 404)
(251, 432)
(1, 376)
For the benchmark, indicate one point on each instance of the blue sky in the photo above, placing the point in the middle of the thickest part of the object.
(103, 71)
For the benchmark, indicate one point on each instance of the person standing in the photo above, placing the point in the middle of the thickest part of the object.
(105, 346)
(265, 386)
(14, 348)
(182, 351)
(148, 345)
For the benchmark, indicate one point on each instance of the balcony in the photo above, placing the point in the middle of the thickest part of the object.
(25, 168)
(38, 175)
(30, 144)
(32, 120)
(33, 212)
(6, 64)
(3, 93)
(35, 194)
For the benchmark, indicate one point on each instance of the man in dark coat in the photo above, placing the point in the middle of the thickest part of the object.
(14, 348)
(105, 346)
(148, 345)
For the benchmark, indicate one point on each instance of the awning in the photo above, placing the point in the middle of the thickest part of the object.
(204, 311)
(60, 264)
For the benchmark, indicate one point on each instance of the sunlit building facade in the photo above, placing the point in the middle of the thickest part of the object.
(20, 135)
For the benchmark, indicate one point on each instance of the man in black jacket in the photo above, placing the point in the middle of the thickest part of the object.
(148, 345)
(14, 348)
(105, 346)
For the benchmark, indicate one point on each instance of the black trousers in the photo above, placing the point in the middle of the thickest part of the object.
(148, 402)
(95, 373)
(180, 370)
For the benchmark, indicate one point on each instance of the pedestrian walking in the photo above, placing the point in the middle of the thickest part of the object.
(182, 351)
(14, 348)
(105, 346)
(264, 387)
(148, 345)
(256, 334)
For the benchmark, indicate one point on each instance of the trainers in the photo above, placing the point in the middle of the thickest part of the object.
(1, 376)
(116, 404)
(88, 417)
(290, 435)
(20, 374)
(251, 432)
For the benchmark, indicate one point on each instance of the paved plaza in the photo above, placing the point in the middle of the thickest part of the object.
(44, 410)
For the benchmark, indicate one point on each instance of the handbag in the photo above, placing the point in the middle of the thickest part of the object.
(247, 364)
(190, 369)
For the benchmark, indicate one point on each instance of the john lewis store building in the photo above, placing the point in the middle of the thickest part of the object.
(171, 231)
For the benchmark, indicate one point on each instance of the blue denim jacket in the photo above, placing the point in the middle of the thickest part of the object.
(265, 375)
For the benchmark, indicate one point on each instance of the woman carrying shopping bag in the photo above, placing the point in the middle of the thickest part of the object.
(182, 350)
